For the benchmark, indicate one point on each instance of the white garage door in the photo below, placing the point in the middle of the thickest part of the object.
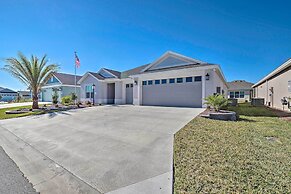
(181, 92)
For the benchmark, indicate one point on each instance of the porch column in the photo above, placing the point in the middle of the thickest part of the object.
(137, 92)
(118, 93)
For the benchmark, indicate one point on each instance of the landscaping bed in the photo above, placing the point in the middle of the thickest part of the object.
(14, 112)
(251, 155)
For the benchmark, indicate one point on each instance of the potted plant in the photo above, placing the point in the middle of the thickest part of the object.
(217, 102)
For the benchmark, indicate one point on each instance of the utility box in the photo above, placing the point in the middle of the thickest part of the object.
(258, 101)
(232, 102)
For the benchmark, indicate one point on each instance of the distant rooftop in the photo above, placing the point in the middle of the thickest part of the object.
(6, 90)
(67, 79)
(239, 85)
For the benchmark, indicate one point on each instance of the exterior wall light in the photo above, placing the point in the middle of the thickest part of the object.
(207, 76)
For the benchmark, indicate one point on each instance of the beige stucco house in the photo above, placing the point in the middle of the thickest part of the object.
(275, 86)
(240, 90)
(171, 80)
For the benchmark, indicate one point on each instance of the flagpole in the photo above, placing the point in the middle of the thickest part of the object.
(75, 80)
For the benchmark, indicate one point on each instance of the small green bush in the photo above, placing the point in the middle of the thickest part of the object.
(67, 100)
(216, 101)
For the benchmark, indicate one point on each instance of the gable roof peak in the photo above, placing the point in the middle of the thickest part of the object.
(175, 56)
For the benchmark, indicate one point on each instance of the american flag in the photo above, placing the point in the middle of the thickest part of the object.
(77, 60)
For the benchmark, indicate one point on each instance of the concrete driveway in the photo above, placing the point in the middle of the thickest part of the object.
(106, 149)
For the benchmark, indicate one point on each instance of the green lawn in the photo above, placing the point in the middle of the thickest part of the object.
(252, 155)
(3, 115)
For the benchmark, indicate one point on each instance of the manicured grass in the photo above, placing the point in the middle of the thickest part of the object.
(252, 155)
(3, 115)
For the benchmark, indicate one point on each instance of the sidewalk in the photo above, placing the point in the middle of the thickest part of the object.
(9, 105)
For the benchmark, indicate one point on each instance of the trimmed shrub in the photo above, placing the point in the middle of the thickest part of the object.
(66, 100)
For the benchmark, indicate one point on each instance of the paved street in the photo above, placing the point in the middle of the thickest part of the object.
(107, 149)
(12, 180)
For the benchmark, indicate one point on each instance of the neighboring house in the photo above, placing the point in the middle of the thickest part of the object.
(275, 86)
(7, 95)
(171, 80)
(62, 83)
(25, 94)
(240, 89)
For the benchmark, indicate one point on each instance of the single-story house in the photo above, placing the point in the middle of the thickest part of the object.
(171, 80)
(240, 90)
(7, 95)
(275, 86)
(63, 84)
(24, 94)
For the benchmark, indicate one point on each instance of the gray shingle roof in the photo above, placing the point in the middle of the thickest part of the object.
(133, 71)
(116, 73)
(6, 90)
(97, 75)
(67, 79)
(239, 85)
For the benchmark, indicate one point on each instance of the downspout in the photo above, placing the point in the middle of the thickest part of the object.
(267, 99)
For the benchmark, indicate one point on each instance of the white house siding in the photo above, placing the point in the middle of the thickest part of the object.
(118, 92)
(280, 89)
(100, 90)
(261, 91)
(208, 86)
(214, 81)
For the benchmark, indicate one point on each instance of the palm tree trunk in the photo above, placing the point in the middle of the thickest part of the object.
(35, 101)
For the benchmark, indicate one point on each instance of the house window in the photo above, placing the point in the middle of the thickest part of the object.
(218, 90)
(180, 80)
(89, 91)
(144, 83)
(242, 94)
(157, 82)
(127, 86)
(150, 82)
(231, 94)
(172, 81)
(197, 78)
(236, 94)
(131, 85)
(189, 79)
(164, 81)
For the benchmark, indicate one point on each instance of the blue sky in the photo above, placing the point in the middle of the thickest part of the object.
(247, 38)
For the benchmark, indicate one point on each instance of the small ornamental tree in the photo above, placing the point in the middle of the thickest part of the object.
(216, 101)
(74, 97)
(33, 72)
(55, 97)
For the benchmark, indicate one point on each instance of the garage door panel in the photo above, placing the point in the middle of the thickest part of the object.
(178, 94)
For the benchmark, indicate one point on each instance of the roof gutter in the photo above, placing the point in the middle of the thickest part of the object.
(281, 68)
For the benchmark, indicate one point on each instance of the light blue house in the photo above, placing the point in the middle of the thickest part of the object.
(7, 95)
(63, 84)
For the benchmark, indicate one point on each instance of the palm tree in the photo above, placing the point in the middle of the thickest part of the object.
(34, 73)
